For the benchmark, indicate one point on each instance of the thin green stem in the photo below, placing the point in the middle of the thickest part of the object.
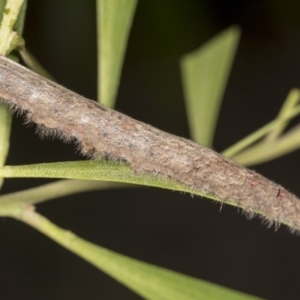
(7, 41)
(255, 136)
(14, 210)
(32, 63)
(5, 128)
(290, 102)
(55, 190)
(8, 37)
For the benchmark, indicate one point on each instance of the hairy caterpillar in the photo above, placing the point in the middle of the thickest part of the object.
(101, 131)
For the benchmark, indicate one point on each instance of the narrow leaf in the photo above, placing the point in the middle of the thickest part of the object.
(114, 19)
(268, 150)
(19, 25)
(91, 170)
(8, 38)
(12, 15)
(240, 146)
(117, 172)
(205, 74)
(291, 101)
(147, 280)
(5, 128)
(55, 190)
(32, 63)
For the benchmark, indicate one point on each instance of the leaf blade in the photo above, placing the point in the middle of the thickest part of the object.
(149, 281)
(5, 129)
(205, 73)
(14, 18)
(269, 150)
(55, 190)
(291, 101)
(252, 138)
(114, 19)
(89, 170)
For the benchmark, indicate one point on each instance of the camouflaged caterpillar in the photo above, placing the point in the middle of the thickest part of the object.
(103, 132)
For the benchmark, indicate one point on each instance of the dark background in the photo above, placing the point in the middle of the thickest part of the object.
(165, 228)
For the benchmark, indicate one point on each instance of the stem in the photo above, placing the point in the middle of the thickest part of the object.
(56, 189)
(8, 37)
(250, 139)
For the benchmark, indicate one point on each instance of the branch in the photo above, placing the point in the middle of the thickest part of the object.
(104, 133)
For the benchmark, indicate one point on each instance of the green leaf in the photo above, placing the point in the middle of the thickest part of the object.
(268, 150)
(114, 19)
(8, 38)
(275, 144)
(13, 19)
(152, 282)
(55, 190)
(147, 280)
(2, 5)
(205, 73)
(240, 146)
(5, 128)
(32, 63)
(19, 25)
(290, 102)
(91, 170)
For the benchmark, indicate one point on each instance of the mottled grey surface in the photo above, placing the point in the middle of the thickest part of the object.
(101, 131)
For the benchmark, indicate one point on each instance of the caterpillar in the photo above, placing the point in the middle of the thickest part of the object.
(102, 132)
